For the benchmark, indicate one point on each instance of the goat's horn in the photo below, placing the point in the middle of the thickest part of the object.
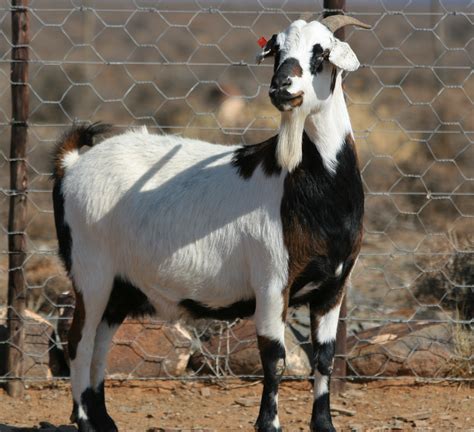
(335, 22)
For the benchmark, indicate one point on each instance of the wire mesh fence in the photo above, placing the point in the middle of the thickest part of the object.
(189, 68)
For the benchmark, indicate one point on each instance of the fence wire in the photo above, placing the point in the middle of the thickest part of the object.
(188, 68)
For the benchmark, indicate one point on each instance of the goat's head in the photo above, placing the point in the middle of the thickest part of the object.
(308, 58)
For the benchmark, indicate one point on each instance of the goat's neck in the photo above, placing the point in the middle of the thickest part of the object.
(329, 127)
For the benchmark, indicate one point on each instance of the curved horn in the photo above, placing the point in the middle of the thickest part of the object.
(335, 22)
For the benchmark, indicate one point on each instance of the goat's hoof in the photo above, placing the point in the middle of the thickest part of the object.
(266, 427)
(109, 426)
(322, 426)
(85, 426)
(106, 424)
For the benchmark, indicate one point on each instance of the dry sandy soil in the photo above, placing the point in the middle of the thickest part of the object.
(167, 406)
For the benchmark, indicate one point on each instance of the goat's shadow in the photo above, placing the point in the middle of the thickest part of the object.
(42, 427)
(194, 198)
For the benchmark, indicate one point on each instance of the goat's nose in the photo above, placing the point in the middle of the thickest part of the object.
(280, 82)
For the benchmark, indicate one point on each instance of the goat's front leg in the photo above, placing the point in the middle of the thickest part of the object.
(324, 320)
(270, 315)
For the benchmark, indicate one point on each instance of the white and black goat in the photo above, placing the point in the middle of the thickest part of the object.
(178, 227)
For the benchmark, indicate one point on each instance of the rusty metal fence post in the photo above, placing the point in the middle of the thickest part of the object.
(18, 203)
(334, 7)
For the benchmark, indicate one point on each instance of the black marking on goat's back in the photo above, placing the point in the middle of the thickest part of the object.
(239, 309)
(126, 300)
(322, 215)
(247, 158)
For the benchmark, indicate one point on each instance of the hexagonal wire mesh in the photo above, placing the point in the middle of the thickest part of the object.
(188, 68)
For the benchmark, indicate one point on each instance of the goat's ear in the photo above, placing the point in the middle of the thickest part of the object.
(343, 57)
(268, 50)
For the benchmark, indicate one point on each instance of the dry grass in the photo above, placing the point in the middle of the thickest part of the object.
(463, 339)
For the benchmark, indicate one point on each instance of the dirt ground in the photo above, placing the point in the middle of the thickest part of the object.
(166, 406)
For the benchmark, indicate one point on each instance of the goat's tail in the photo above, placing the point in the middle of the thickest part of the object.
(66, 151)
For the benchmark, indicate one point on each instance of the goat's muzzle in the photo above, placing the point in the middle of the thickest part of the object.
(283, 100)
(281, 81)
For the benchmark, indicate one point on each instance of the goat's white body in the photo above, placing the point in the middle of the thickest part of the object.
(173, 217)
(190, 230)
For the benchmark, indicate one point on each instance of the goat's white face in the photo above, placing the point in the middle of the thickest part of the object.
(308, 61)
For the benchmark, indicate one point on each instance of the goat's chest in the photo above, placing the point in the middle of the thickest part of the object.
(322, 217)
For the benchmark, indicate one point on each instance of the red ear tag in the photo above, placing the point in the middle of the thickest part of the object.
(262, 42)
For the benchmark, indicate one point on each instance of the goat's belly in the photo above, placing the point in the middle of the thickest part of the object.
(204, 275)
(221, 298)
(216, 263)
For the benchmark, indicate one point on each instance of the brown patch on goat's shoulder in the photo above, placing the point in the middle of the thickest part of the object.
(75, 332)
(302, 246)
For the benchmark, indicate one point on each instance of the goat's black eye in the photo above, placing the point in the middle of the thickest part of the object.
(317, 58)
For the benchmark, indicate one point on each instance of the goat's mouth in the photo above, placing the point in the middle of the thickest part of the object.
(285, 101)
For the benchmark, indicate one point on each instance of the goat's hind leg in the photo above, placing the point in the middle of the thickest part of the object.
(103, 339)
(92, 294)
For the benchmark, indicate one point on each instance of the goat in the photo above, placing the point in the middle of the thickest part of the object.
(183, 228)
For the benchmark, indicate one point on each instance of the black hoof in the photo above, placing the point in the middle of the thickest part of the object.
(85, 426)
(267, 428)
(106, 424)
(93, 417)
(322, 426)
